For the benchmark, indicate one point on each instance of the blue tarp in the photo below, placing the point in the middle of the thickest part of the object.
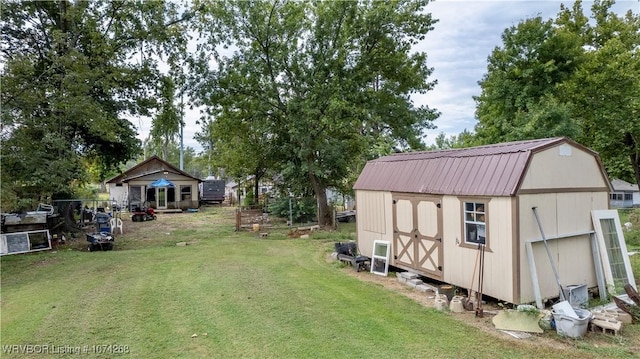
(162, 183)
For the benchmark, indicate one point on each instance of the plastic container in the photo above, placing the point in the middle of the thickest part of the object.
(577, 295)
(572, 327)
(565, 308)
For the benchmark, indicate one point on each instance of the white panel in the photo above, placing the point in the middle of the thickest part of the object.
(427, 218)
(613, 251)
(404, 219)
(565, 150)
(380, 257)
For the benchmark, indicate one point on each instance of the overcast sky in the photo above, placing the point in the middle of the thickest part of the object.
(457, 49)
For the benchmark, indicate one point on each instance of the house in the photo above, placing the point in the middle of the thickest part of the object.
(436, 209)
(624, 194)
(156, 183)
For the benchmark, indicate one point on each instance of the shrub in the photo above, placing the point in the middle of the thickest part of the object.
(303, 209)
(634, 218)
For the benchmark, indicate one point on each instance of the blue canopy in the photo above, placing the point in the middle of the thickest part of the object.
(162, 182)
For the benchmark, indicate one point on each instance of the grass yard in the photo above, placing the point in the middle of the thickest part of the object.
(242, 296)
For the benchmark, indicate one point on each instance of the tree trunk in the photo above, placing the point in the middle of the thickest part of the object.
(320, 190)
(635, 162)
(256, 190)
(165, 150)
(634, 155)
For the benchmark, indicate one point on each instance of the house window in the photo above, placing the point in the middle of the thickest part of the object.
(185, 193)
(475, 223)
(628, 197)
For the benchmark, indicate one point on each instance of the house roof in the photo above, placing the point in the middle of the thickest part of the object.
(152, 165)
(623, 186)
(492, 170)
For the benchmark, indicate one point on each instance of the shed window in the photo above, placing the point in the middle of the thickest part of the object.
(475, 223)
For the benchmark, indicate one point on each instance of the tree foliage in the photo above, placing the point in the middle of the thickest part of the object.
(568, 77)
(72, 71)
(311, 86)
(522, 90)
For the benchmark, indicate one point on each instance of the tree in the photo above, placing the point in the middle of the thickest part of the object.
(461, 140)
(606, 90)
(172, 149)
(521, 94)
(322, 81)
(166, 125)
(73, 71)
(568, 77)
(241, 147)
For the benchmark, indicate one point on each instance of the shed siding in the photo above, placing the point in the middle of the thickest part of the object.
(560, 214)
(549, 169)
(375, 222)
(459, 261)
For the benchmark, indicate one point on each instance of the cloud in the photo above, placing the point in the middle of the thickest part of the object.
(461, 42)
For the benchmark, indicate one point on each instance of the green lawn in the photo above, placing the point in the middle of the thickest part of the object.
(254, 298)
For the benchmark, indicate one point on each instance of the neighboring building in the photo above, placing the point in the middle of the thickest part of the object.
(624, 194)
(156, 183)
(436, 208)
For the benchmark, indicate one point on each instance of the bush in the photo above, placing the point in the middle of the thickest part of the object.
(632, 237)
(303, 209)
(634, 218)
(249, 199)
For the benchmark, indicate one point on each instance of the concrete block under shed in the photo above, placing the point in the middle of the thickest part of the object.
(408, 275)
(414, 282)
(613, 311)
(604, 323)
(400, 278)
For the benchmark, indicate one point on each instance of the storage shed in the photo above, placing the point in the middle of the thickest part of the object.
(435, 209)
(156, 182)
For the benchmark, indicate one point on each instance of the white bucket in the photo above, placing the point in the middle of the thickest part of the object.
(440, 304)
(456, 305)
(572, 327)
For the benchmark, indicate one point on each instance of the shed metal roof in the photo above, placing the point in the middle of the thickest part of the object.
(492, 170)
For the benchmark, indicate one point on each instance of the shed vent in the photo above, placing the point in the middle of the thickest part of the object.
(564, 150)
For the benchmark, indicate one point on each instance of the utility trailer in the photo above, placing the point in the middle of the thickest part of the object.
(212, 191)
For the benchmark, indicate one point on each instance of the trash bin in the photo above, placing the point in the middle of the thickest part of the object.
(569, 326)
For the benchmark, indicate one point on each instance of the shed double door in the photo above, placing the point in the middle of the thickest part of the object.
(417, 234)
